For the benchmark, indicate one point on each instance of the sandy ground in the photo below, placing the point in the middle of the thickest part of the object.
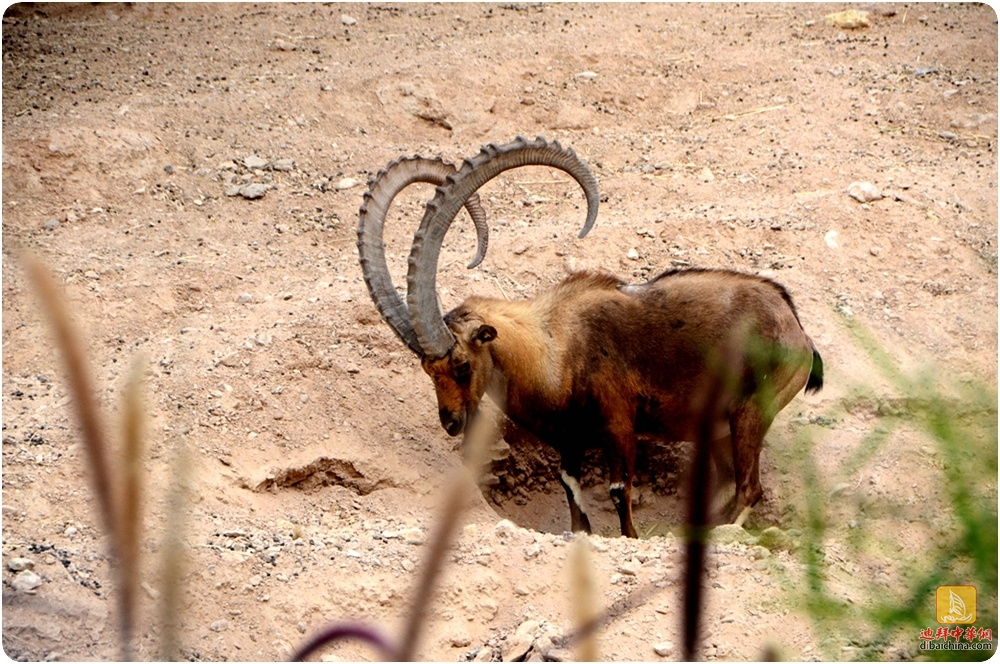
(721, 135)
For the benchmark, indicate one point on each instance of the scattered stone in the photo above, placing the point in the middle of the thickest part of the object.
(664, 649)
(219, 626)
(282, 45)
(707, 175)
(245, 298)
(253, 162)
(20, 564)
(630, 568)
(413, 536)
(168, 169)
(831, 239)
(559, 655)
(586, 75)
(283, 165)
(348, 20)
(532, 551)
(863, 192)
(347, 183)
(484, 655)
(26, 582)
(150, 591)
(775, 539)
(51, 224)
(731, 534)
(633, 254)
(850, 19)
(517, 647)
(253, 190)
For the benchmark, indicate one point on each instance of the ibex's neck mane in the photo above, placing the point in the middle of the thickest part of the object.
(532, 336)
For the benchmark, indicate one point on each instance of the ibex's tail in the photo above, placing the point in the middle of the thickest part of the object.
(815, 382)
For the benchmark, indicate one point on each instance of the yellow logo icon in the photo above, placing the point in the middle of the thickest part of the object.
(956, 605)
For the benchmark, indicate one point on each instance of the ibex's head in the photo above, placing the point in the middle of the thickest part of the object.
(453, 351)
(463, 374)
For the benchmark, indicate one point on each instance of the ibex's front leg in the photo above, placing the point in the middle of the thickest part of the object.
(620, 457)
(569, 475)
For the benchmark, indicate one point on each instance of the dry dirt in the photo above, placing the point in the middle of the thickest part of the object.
(722, 136)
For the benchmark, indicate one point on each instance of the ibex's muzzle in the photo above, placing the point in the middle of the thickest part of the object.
(452, 421)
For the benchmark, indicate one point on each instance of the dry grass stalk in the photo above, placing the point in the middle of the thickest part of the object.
(111, 498)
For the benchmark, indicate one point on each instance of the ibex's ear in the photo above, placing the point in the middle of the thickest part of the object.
(485, 334)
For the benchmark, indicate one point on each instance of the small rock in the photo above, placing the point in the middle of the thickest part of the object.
(775, 539)
(831, 239)
(283, 165)
(664, 649)
(412, 535)
(282, 45)
(730, 533)
(348, 20)
(253, 190)
(586, 75)
(707, 175)
(150, 591)
(26, 582)
(559, 655)
(219, 626)
(460, 641)
(631, 568)
(347, 183)
(232, 361)
(484, 655)
(517, 647)
(632, 254)
(863, 192)
(51, 224)
(254, 162)
(532, 551)
(527, 628)
(168, 169)
(851, 19)
(245, 298)
(20, 564)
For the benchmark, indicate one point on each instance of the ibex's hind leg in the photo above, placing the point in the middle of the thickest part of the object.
(569, 475)
(621, 462)
(723, 497)
(748, 427)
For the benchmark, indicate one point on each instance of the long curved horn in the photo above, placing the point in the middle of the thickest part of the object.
(371, 219)
(428, 323)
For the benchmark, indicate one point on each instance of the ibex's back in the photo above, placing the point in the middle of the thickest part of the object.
(594, 361)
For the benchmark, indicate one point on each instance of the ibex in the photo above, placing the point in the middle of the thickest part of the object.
(593, 362)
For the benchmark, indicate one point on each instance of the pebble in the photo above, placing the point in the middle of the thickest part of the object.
(631, 568)
(517, 647)
(219, 626)
(252, 191)
(51, 224)
(283, 165)
(20, 564)
(254, 162)
(633, 254)
(663, 649)
(347, 183)
(245, 298)
(348, 20)
(26, 582)
(863, 192)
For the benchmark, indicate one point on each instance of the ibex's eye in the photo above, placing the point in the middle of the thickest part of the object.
(463, 373)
